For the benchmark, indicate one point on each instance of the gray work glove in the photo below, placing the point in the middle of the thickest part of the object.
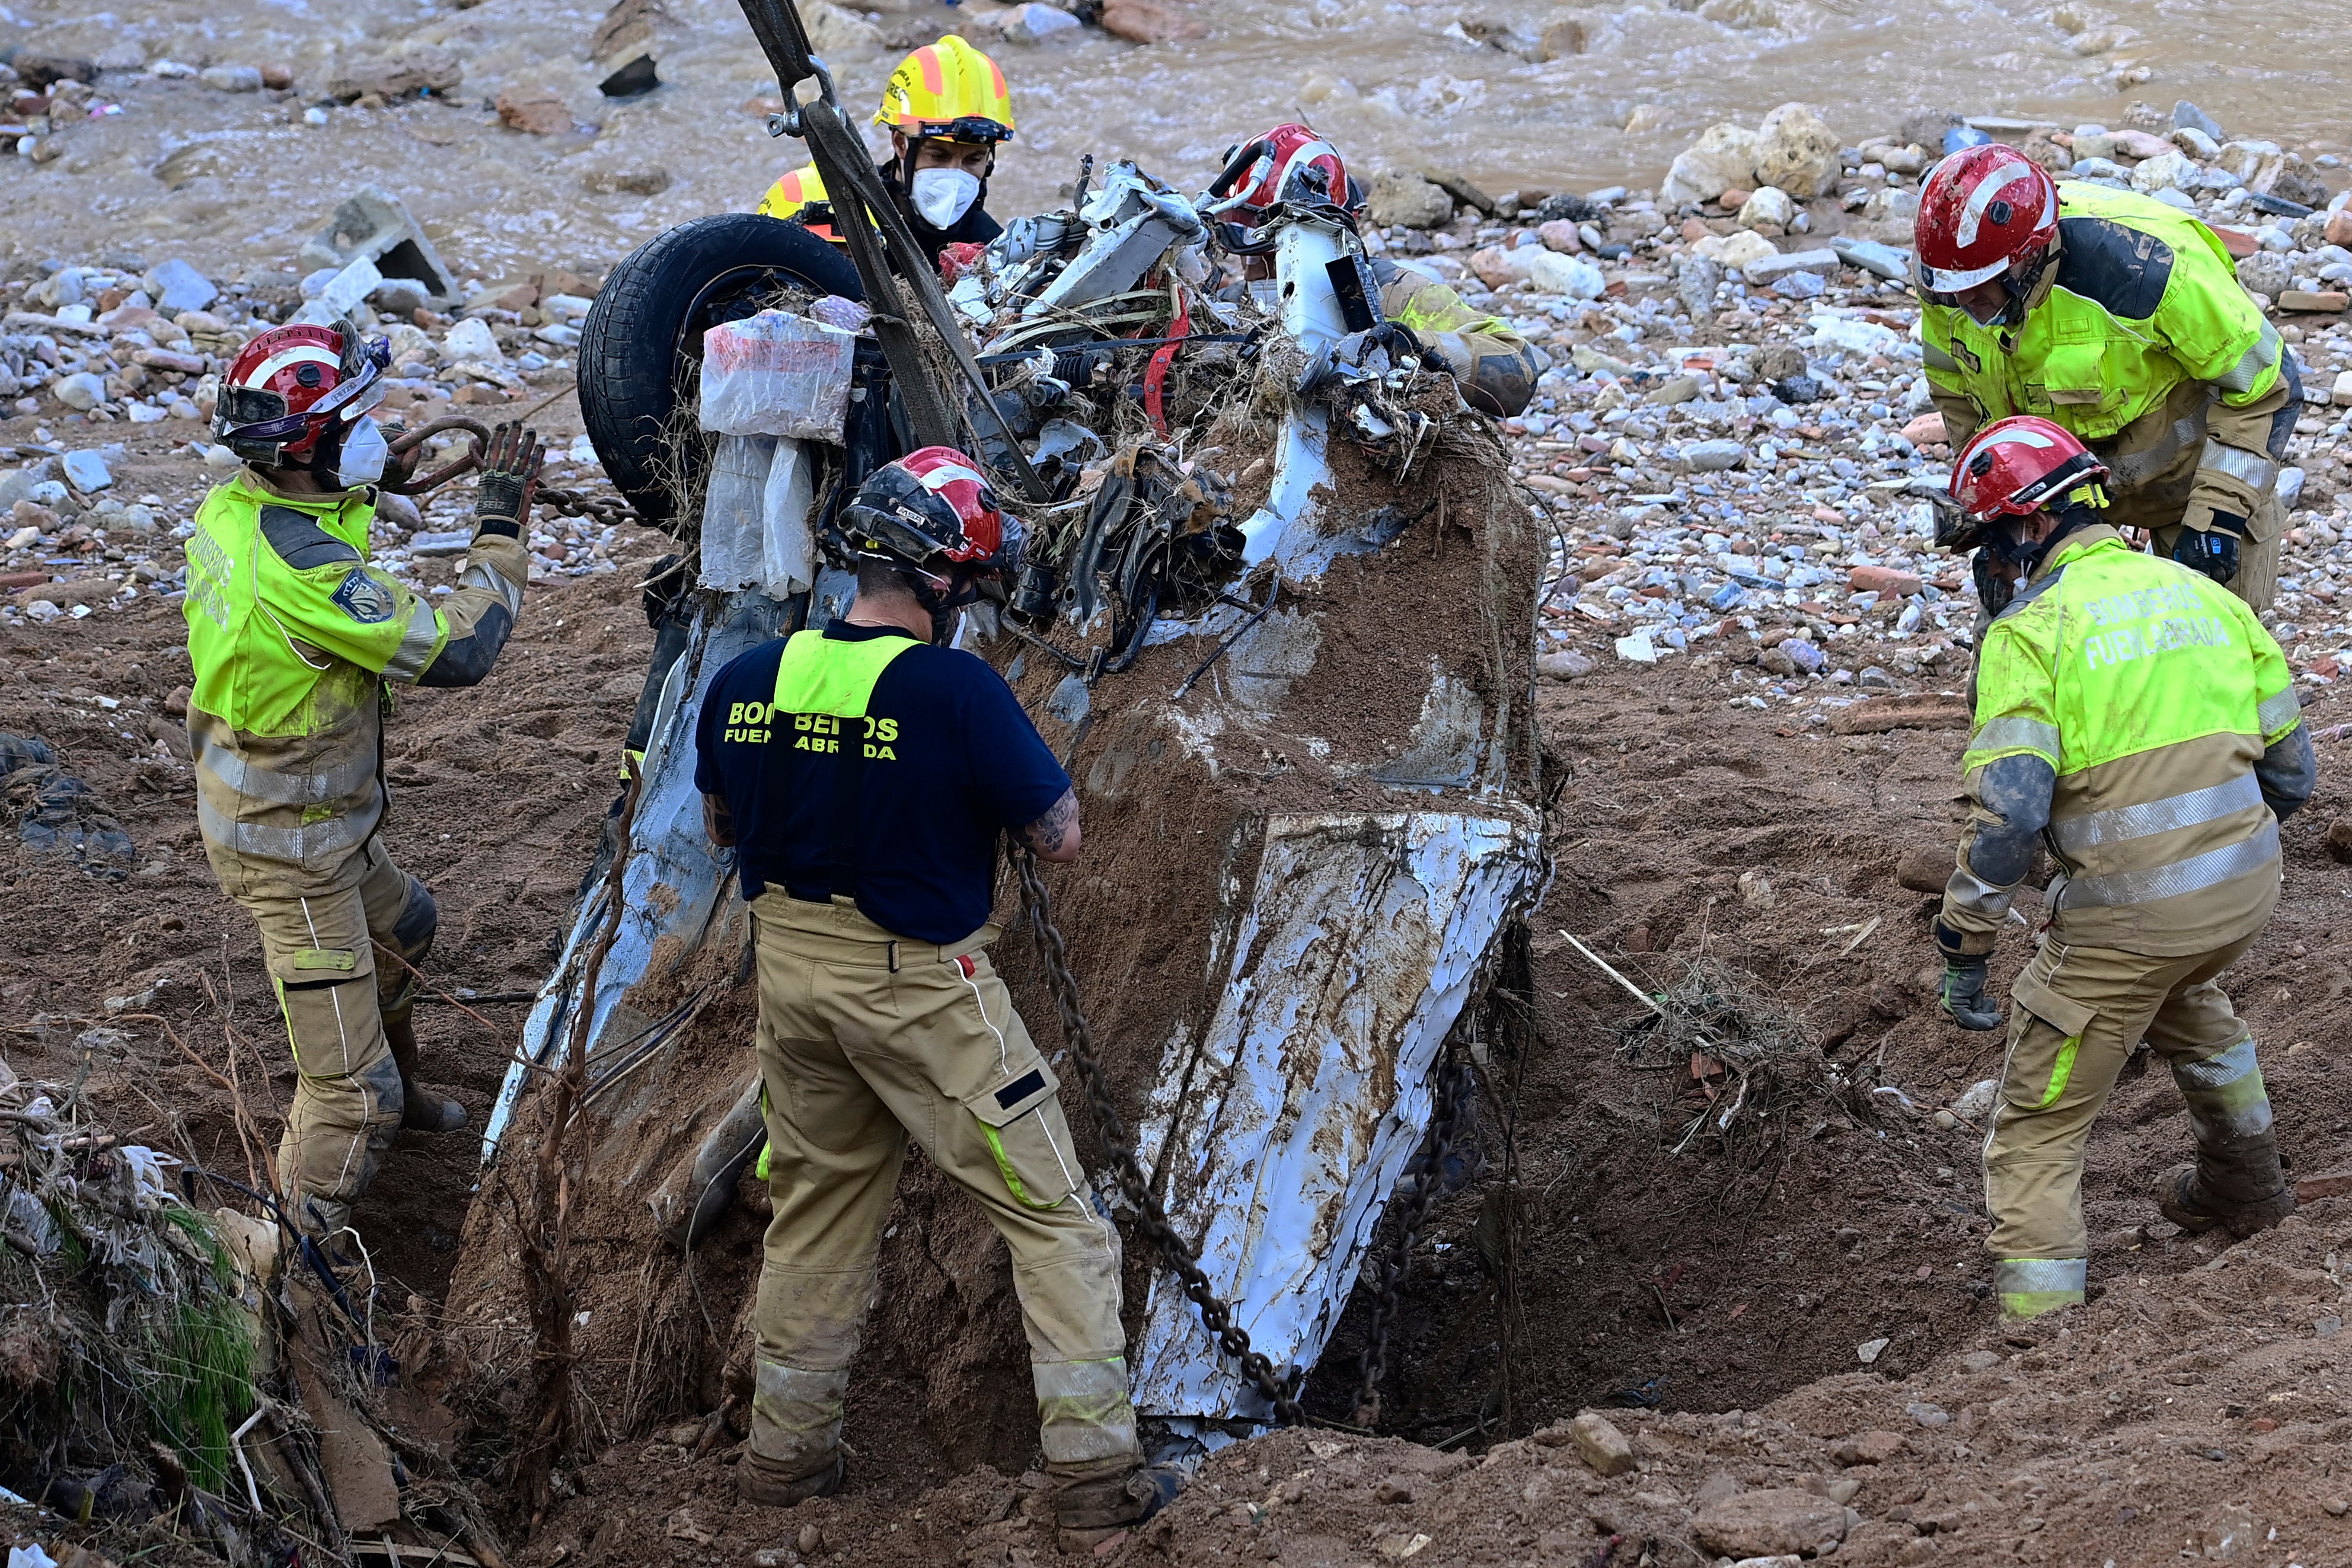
(1962, 995)
(510, 480)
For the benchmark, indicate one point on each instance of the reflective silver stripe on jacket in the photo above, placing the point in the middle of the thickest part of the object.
(240, 776)
(510, 592)
(2129, 468)
(2247, 467)
(2015, 729)
(2194, 874)
(2217, 1071)
(1936, 358)
(415, 649)
(2035, 1276)
(302, 845)
(2279, 711)
(2073, 834)
(2242, 376)
(1973, 894)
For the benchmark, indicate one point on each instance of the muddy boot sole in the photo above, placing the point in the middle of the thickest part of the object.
(756, 1488)
(2179, 1199)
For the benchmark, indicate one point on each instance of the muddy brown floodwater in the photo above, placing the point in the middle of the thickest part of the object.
(244, 180)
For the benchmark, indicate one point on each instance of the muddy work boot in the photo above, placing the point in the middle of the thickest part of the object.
(763, 1483)
(421, 1109)
(2191, 1202)
(1091, 1507)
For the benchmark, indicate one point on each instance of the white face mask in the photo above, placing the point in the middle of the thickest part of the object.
(362, 457)
(943, 196)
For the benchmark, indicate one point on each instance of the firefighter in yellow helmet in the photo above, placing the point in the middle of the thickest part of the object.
(947, 107)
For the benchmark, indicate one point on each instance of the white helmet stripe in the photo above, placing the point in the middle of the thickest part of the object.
(2015, 438)
(947, 474)
(300, 353)
(1984, 194)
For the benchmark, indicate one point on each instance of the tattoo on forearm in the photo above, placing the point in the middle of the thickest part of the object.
(1049, 832)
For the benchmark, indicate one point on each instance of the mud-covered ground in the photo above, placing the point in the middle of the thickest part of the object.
(1742, 1274)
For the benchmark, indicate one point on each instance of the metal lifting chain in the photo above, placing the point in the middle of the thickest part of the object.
(1215, 1315)
(1451, 1093)
(606, 509)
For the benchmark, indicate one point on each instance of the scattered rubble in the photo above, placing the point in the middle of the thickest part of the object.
(93, 346)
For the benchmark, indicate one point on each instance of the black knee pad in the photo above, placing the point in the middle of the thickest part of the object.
(420, 917)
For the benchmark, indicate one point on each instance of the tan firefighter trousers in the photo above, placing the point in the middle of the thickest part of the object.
(335, 994)
(865, 1040)
(2076, 1013)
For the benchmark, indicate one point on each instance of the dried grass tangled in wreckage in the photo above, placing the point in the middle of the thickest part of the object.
(172, 1381)
(1746, 1062)
(127, 1342)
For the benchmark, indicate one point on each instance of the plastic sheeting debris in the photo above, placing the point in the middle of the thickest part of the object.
(776, 374)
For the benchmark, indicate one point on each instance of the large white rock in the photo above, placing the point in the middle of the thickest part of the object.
(1766, 269)
(1796, 151)
(1723, 156)
(1734, 250)
(1550, 272)
(2168, 170)
(1769, 207)
(472, 338)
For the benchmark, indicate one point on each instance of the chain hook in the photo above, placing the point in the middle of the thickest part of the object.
(408, 441)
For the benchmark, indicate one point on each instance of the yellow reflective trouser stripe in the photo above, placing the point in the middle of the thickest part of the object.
(1083, 1413)
(2061, 1069)
(1012, 1178)
(2029, 1287)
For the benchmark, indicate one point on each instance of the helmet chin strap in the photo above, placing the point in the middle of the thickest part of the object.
(941, 597)
(2008, 547)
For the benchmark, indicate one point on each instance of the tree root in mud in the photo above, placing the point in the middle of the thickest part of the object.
(553, 1425)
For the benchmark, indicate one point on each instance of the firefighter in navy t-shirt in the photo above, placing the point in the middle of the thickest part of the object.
(863, 774)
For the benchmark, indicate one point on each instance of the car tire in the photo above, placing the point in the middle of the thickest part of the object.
(642, 344)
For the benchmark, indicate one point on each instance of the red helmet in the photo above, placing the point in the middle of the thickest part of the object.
(2013, 468)
(1985, 212)
(1288, 163)
(288, 385)
(933, 503)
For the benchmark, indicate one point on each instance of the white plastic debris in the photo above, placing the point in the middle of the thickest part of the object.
(147, 1171)
(733, 505)
(30, 1556)
(776, 374)
(787, 542)
(1637, 649)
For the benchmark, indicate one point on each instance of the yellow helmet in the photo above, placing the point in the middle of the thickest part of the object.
(790, 193)
(951, 89)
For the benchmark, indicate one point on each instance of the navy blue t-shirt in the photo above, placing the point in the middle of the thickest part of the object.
(948, 761)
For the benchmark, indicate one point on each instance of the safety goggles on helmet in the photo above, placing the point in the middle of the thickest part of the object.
(971, 128)
(257, 414)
